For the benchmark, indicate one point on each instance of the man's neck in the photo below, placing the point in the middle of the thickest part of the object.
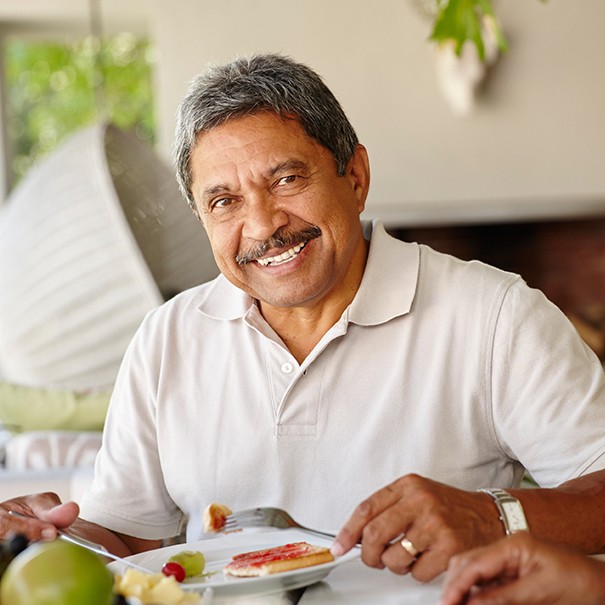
(302, 327)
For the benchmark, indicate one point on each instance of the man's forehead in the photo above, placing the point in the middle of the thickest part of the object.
(260, 118)
(265, 145)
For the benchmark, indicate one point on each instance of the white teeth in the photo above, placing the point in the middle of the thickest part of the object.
(284, 257)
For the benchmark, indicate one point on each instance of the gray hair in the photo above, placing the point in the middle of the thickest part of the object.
(267, 82)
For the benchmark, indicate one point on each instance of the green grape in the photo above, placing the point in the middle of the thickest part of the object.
(192, 561)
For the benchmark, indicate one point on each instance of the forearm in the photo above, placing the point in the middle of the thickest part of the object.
(570, 514)
(118, 544)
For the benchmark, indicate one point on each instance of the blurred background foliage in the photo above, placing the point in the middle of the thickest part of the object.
(54, 88)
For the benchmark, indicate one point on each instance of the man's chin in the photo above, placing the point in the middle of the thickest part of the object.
(286, 300)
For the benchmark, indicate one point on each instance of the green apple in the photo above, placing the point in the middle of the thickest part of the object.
(192, 561)
(56, 573)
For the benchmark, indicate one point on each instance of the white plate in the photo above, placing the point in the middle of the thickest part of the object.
(218, 552)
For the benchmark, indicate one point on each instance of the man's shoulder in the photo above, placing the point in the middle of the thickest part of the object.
(433, 263)
(444, 263)
(472, 282)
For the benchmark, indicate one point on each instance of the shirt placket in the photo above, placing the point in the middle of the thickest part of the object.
(297, 389)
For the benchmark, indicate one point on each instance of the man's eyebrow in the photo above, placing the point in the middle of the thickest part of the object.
(213, 190)
(289, 165)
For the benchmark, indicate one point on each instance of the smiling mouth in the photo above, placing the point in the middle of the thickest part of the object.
(297, 240)
(284, 257)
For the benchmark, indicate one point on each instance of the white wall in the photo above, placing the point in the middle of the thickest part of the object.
(538, 134)
(534, 145)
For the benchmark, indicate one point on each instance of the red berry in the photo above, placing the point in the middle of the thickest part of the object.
(174, 569)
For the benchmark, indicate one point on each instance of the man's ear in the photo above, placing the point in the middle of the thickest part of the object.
(358, 172)
(196, 211)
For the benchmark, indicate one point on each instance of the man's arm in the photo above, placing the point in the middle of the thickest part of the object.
(116, 543)
(440, 521)
(570, 514)
(39, 516)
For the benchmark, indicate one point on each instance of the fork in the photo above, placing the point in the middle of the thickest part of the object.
(266, 516)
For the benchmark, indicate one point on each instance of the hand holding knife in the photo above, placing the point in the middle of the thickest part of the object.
(92, 546)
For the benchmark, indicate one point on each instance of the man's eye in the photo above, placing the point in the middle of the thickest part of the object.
(221, 203)
(287, 180)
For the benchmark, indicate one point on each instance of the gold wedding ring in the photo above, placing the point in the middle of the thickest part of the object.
(409, 548)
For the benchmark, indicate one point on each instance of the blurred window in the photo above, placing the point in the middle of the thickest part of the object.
(53, 88)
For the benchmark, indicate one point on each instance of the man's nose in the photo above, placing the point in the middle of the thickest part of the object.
(263, 216)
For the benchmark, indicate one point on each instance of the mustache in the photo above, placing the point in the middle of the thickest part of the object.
(280, 239)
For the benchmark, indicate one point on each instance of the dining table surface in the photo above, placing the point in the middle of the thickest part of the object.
(354, 583)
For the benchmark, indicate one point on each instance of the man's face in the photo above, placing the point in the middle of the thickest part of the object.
(269, 197)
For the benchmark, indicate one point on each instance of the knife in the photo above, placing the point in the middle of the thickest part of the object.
(99, 549)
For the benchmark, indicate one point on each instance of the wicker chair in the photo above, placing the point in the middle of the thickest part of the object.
(93, 238)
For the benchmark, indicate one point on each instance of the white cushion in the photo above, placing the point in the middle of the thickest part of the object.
(41, 450)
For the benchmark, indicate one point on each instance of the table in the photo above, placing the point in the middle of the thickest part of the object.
(353, 583)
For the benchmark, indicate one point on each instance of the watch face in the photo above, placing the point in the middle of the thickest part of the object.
(514, 516)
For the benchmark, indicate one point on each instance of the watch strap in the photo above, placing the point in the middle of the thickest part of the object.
(510, 509)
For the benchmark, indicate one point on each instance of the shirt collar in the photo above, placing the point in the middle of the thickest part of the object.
(389, 281)
(386, 290)
(222, 300)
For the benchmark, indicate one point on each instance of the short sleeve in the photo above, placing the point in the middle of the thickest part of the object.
(547, 390)
(128, 494)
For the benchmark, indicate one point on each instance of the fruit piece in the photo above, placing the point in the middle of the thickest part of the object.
(56, 573)
(153, 588)
(166, 592)
(192, 561)
(174, 569)
(215, 516)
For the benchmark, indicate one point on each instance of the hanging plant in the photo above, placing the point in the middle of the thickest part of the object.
(469, 40)
(461, 21)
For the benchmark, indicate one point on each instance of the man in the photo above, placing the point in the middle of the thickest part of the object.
(521, 570)
(329, 359)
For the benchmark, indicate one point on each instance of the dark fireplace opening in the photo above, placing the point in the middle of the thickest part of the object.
(564, 259)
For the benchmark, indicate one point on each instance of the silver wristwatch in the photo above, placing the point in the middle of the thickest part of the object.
(510, 509)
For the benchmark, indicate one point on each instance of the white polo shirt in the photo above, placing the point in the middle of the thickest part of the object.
(450, 369)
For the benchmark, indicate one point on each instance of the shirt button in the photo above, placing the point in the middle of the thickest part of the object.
(286, 368)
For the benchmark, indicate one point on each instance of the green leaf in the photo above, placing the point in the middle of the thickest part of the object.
(52, 90)
(463, 21)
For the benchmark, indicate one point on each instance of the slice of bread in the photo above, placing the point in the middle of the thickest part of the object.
(277, 559)
(215, 516)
